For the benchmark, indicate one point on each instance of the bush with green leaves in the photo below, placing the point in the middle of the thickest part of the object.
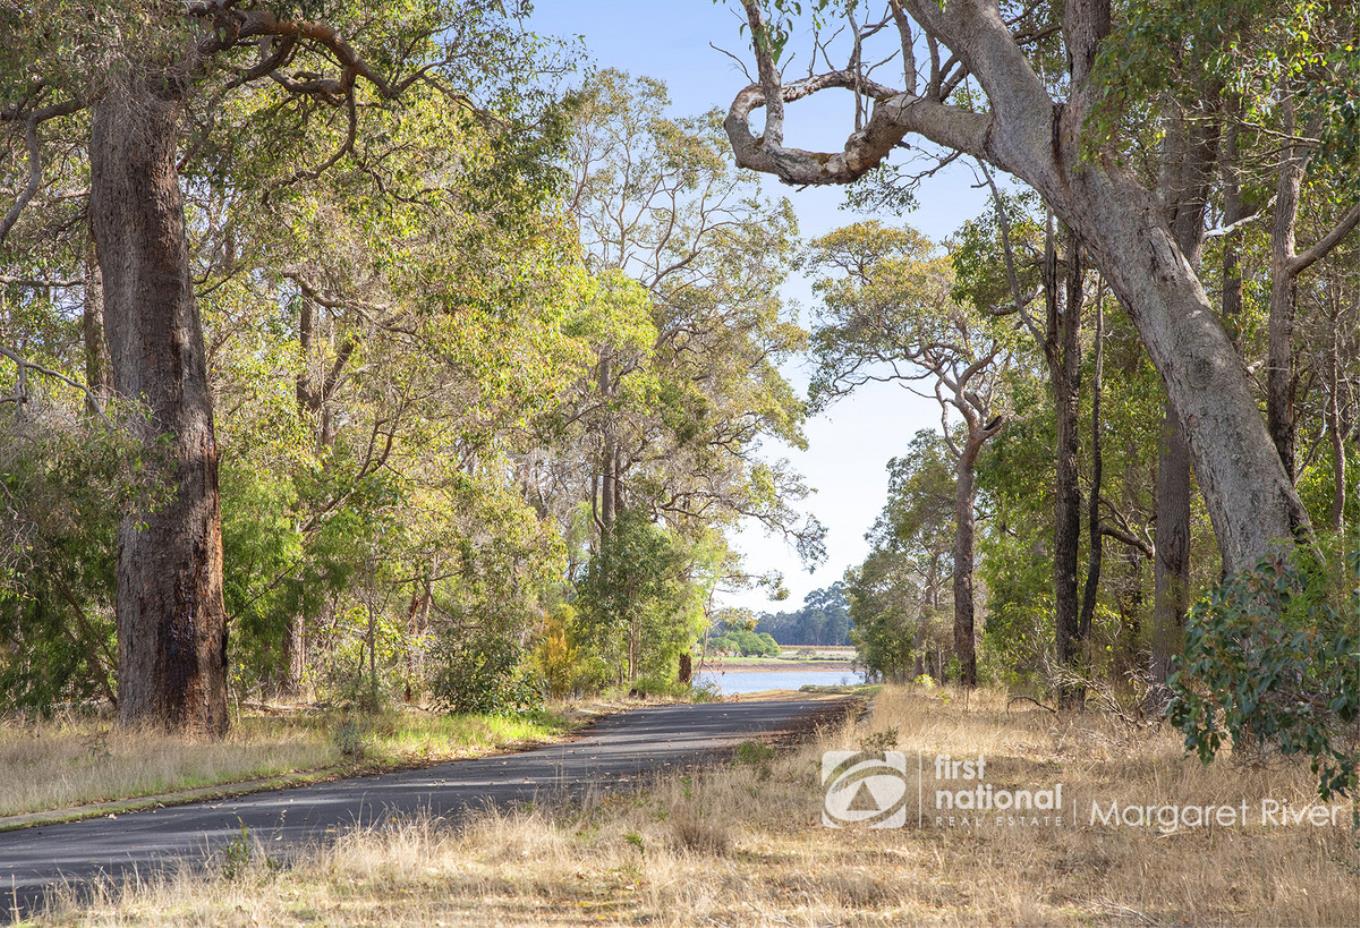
(742, 642)
(1272, 661)
(66, 481)
(482, 671)
(641, 598)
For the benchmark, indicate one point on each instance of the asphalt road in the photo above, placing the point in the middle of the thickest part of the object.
(611, 754)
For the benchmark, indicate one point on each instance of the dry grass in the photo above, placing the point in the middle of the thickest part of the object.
(741, 845)
(65, 763)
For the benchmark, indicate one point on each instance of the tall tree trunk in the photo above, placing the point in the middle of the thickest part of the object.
(1280, 330)
(1172, 566)
(1335, 429)
(92, 331)
(1233, 211)
(1095, 543)
(1063, 331)
(1191, 152)
(609, 483)
(964, 496)
(308, 396)
(929, 602)
(1120, 222)
(172, 638)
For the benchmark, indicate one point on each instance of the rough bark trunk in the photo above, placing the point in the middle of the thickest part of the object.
(1191, 153)
(1336, 431)
(308, 397)
(1095, 544)
(964, 494)
(1280, 330)
(172, 639)
(1233, 211)
(1064, 362)
(294, 656)
(929, 602)
(1171, 569)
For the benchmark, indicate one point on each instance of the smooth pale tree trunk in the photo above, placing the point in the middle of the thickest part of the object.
(172, 640)
(1250, 496)
(1121, 223)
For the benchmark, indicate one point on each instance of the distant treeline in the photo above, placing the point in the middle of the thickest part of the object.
(824, 619)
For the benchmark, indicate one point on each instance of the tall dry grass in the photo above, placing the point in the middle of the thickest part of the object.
(64, 763)
(741, 845)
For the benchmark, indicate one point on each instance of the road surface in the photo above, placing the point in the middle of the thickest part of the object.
(610, 754)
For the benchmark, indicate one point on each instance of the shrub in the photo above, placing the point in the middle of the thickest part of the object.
(1272, 660)
(350, 740)
(745, 643)
(483, 672)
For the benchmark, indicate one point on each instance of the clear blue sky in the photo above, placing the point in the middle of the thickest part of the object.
(849, 447)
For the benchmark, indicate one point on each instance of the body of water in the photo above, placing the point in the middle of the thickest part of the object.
(732, 682)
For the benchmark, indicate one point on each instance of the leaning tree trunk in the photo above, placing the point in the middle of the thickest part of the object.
(172, 641)
(1251, 498)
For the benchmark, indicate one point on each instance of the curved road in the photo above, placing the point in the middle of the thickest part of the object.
(611, 754)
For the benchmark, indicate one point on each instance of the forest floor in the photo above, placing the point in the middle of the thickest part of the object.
(742, 844)
(79, 766)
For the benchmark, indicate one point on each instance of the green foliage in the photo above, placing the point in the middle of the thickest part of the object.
(742, 642)
(1272, 660)
(754, 753)
(641, 599)
(482, 673)
(350, 740)
(66, 483)
(823, 619)
(1163, 49)
(898, 597)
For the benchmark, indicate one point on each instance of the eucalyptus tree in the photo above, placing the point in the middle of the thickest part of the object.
(900, 590)
(976, 82)
(656, 199)
(888, 313)
(145, 72)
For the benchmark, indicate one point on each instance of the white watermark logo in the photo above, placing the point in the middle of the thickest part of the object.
(864, 788)
(874, 788)
(963, 797)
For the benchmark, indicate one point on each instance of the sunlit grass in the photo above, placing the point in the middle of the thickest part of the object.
(65, 763)
(742, 845)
